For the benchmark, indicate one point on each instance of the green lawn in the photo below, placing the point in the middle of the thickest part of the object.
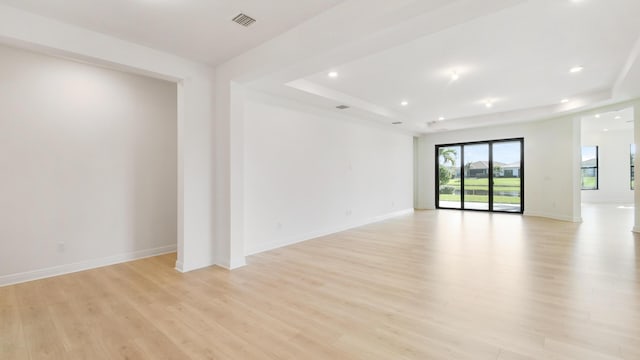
(589, 182)
(500, 184)
(481, 198)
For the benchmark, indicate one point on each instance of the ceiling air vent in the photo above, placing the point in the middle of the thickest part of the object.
(244, 20)
(397, 123)
(342, 107)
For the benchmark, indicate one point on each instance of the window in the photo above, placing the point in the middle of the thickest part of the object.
(632, 158)
(483, 175)
(589, 168)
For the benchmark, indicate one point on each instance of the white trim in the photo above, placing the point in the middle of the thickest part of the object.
(315, 234)
(179, 266)
(234, 264)
(184, 269)
(636, 229)
(83, 265)
(576, 219)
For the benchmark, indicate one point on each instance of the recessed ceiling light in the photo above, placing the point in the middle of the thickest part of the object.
(333, 74)
(605, 130)
(488, 104)
(597, 116)
(441, 118)
(576, 69)
(618, 117)
(404, 103)
(564, 101)
(455, 76)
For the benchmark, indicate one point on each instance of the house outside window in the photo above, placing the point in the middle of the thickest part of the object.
(589, 168)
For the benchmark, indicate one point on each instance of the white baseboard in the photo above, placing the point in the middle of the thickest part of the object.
(553, 216)
(83, 265)
(229, 265)
(233, 264)
(325, 232)
(180, 266)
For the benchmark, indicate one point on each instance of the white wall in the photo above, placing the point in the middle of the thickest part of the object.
(197, 239)
(89, 164)
(551, 164)
(309, 172)
(613, 166)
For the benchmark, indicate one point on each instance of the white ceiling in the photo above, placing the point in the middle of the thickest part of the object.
(618, 120)
(200, 30)
(516, 53)
(519, 58)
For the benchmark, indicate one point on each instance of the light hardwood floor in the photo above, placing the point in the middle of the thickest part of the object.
(433, 285)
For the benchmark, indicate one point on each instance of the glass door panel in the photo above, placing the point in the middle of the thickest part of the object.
(507, 176)
(449, 177)
(483, 175)
(476, 177)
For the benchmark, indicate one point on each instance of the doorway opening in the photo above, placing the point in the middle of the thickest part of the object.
(608, 157)
(481, 176)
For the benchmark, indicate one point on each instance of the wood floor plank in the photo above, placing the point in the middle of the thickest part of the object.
(12, 342)
(41, 337)
(431, 285)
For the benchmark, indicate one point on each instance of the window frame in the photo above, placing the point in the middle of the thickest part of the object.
(632, 166)
(596, 167)
(490, 143)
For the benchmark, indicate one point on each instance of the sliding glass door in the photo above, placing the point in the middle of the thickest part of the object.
(485, 175)
(507, 176)
(476, 177)
(449, 176)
